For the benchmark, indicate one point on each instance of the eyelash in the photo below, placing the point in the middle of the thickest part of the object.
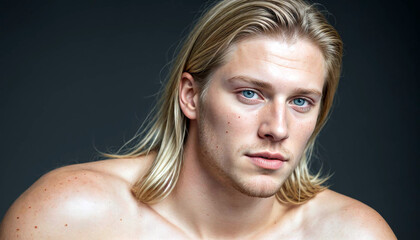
(309, 102)
(249, 100)
(306, 108)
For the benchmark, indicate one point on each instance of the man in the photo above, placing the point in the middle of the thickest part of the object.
(225, 156)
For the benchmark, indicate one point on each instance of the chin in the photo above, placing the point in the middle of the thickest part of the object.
(261, 187)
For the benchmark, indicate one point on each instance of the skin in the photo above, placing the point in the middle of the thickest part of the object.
(221, 193)
(263, 118)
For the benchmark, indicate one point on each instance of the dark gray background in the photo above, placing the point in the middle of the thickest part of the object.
(75, 75)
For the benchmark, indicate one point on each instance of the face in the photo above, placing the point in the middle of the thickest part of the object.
(259, 112)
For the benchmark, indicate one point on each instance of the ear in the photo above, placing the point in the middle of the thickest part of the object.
(188, 96)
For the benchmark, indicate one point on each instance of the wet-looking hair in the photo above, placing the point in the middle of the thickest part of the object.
(223, 25)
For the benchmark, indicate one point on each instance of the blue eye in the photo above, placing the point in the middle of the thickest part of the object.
(299, 101)
(248, 93)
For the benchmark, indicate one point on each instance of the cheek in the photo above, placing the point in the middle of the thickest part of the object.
(304, 130)
(226, 120)
(241, 125)
(215, 118)
(215, 127)
(299, 136)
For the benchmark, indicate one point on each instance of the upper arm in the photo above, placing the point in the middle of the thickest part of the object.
(346, 218)
(60, 205)
(362, 222)
(335, 216)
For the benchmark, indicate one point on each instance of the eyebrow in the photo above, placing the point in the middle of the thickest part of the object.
(305, 91)
(266, 85)
(253, 81)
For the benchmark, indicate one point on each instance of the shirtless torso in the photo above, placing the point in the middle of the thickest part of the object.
(248, 129)
(93, 201)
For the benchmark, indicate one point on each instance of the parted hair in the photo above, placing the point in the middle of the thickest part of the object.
(203, 51)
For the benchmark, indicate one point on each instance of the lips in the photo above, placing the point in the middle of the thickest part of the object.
(268, 156)
(267, 160)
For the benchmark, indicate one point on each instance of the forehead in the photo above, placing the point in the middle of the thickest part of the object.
(298, 62)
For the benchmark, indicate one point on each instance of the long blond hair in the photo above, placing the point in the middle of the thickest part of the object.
(226, 23)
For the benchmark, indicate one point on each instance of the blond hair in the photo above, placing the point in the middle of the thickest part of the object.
(204, 50)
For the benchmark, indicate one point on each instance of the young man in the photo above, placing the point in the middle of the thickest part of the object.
(225, 156)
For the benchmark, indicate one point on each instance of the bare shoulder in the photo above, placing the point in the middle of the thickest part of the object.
(341, 217)
(71, 201)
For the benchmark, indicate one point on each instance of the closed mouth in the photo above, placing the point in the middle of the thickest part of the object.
(268, 156)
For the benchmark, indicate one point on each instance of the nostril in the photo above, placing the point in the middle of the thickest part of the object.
(268, 136)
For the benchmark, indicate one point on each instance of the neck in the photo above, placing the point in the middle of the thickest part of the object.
(207, 208)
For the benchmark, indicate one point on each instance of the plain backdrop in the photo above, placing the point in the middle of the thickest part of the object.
(76, 76)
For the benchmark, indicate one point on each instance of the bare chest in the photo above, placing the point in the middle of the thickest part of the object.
(150, 225)
(142, 222)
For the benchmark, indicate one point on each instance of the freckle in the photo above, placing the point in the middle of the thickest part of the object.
(68, 180)
(61, 183)
(29, 207)
(120, 219)
(227, 131)
(217, 146)
(45, 189)
(228, 122)
(75, 177)
(36, 226)
(17, 229)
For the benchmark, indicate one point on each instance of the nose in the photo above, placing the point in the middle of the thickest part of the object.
(273, 124)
